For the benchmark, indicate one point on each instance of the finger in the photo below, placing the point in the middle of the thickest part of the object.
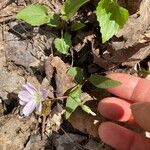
(121, 138)
(141, 113)
(115, 109)
(132, 88)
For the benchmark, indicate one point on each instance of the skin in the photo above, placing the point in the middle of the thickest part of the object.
(132, 105)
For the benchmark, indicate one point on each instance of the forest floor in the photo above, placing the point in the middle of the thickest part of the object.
(28, 55)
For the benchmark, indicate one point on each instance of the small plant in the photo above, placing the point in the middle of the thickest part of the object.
(74, 96)
(32, 98)
(110, 15)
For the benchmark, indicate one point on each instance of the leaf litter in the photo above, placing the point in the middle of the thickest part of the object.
(28, 55)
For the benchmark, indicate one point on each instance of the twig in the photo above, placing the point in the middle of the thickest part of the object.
(51, 49)
(4, 41)
(43, 126)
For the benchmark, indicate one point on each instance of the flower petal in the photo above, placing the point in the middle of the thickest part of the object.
(29, 108)
(22, 102)
(39, 108)
(25, 96)
(30, 88)
(44, 93)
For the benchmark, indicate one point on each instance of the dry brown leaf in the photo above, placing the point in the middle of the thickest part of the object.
(54, 121)
(84, 122)
(63, 81)
(136, 25)
(49, 68)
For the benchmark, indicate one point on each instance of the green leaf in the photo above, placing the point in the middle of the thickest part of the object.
(35, 14)
(145, 72)
(87, 109)
(103, 82)
(70, 7)
(77, 26)
(111, 18)
(54, 20)
(77, 73)
(63, 44)
(73, 101)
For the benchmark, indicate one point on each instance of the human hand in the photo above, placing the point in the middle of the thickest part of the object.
(133, 105)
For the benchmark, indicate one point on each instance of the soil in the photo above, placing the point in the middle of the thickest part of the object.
(27, 54)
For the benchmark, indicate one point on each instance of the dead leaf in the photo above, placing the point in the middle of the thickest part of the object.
(84, 122)
(68, 141)
(136, 25)
(63, 80)
(124, 56)
(54, 121)
(55, 66)
(137, 57)
(49, 68)
(46, 109)
(81, 39)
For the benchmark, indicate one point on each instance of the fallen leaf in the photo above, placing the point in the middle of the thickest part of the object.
(62, 79)
(84, 122)
(54, 120)
(56, 68)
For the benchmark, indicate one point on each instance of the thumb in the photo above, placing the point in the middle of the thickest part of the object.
(141, 113)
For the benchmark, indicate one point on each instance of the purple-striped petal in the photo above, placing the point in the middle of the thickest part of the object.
(30, 88)
(29, 108)
(25, 96)
(44, 94)
(39, 108)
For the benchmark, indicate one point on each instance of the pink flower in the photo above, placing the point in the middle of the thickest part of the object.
(32, 99)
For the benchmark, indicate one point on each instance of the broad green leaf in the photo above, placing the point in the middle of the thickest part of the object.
(63, 44)
(35, 14)
(87, 109)
(54, 20)
(70, 7)
(77, 73)
(73, 101)
(77, 26)
(111, 18)
(103, 82)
